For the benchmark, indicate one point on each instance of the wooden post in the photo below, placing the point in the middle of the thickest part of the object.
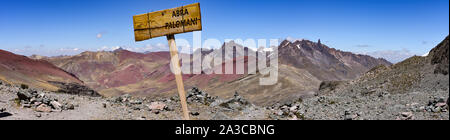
(178, 77)
(162, 23)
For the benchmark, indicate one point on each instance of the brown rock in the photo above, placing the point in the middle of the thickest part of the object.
(156, 106)
(56, 105)
(43, 108)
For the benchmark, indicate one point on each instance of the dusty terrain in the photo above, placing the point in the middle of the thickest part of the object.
(416, 88)
(73, 107)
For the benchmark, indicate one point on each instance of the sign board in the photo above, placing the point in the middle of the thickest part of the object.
(167, 22)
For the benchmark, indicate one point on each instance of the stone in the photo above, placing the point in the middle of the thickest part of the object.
(235, 103)
(436, 109)
(41, 95)
(123, 98)
(279, 113)
(70, 107)
(168, 108)
(293, 117)
(440, 104)
(293, 109)
(349, 116)
(321, 99)
(441, 100)
(194, 113)
(155, 111)
(136, 102)
(406, 116)
(34, 100)
(141, 118)
(448, 102)
(156, 106)
(56, 105)
(25, 96)
(26, 105)
(2, 109)
(43, 108)
(46, 100)
(135, 108)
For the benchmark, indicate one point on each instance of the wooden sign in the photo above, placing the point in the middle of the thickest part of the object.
(167, 22)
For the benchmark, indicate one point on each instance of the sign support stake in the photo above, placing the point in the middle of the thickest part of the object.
(178, 77)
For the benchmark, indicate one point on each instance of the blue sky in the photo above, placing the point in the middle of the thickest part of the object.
(393, 29)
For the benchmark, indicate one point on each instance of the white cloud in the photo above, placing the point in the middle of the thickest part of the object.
(146, 48)
(68, 50)
(106, 48)
(362, 46)
(393, 56)
(291, 39)
(99, 35)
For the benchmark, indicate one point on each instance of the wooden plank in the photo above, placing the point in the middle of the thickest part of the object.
(141, 27)
(178, 77)
(167, 22)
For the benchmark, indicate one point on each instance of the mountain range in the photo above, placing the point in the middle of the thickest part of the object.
(17, 69)
(303, 65)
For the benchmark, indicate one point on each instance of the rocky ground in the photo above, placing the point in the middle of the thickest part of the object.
(414, 89)
(376, 106)
(21, 103)
(17, 103)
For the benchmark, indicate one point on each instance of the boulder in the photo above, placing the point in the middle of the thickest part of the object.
(194, 113)
(44, 108)
(24, 96)
(56, 105)
(156, 106)
(69, 107)
(196, 95)
(406, 116)
(74, 88)
(235, 103)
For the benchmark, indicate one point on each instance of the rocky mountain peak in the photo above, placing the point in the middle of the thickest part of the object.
(325, 62)
(440, 56)
(118, 49)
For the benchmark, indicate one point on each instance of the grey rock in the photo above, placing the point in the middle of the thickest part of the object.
(406, 116)
(348, 115)
(168, 108)
(436, 109)
(43, 108)
(235, 103)
(69, 107)
(25, 96)
(56, 105)
(156, 106)
(194, 113)
(26, 105)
